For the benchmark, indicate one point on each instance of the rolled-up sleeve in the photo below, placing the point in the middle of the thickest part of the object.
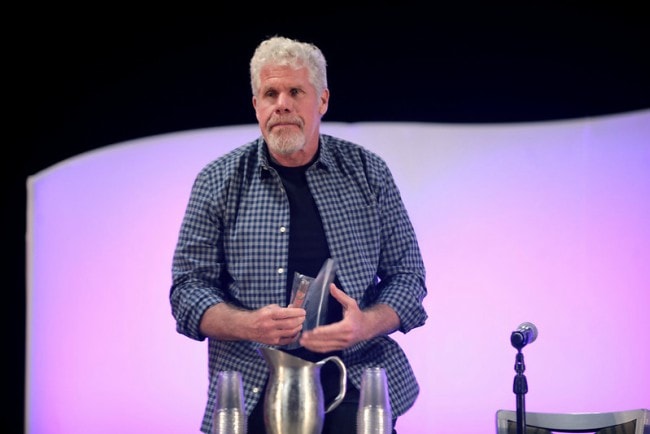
(197, 265)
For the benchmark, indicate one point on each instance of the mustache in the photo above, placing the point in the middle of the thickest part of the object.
(284, 120)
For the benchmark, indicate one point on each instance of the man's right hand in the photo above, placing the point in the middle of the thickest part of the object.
(271, 325)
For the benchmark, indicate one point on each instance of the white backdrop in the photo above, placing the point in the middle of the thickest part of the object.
(544, 222)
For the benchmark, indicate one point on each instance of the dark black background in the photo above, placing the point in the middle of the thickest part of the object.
(80, 79)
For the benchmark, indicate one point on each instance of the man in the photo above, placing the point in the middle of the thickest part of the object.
(280, 206)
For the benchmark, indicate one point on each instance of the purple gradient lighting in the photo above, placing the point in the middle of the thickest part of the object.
(542, 222)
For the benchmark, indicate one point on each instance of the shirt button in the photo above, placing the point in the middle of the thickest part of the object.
(280, 270)
(283, 229)
(256, 390)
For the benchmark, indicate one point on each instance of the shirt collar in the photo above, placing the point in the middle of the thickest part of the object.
(324, 158)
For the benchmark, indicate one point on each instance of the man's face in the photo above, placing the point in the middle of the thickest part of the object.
(289, 111)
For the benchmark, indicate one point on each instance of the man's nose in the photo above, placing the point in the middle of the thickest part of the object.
(284, 102)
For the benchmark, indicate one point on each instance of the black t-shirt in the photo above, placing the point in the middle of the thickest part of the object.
(308, 250)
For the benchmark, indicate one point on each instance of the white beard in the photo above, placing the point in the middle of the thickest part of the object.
(286, 143)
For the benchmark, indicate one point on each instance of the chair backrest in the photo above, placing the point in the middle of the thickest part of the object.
(613, 422)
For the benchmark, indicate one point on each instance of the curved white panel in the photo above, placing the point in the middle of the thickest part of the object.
(544, 222)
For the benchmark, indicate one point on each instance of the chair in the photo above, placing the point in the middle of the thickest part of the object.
(613, 422)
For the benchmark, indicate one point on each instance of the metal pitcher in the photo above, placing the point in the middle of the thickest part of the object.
(294, 401)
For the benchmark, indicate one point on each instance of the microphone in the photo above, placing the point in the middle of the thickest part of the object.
(525, 334)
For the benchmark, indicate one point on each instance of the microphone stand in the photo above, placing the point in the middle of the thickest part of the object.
(520, 388)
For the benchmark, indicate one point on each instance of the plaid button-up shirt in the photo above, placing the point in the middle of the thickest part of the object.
(233, 246)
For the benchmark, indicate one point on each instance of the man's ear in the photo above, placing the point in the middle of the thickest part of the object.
(324, 102)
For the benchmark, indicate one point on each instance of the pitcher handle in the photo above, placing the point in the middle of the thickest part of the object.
(342, 386)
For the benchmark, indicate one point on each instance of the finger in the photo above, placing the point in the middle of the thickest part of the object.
(288, 312)
(328, 332)
(321, 344)
(340, 296)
